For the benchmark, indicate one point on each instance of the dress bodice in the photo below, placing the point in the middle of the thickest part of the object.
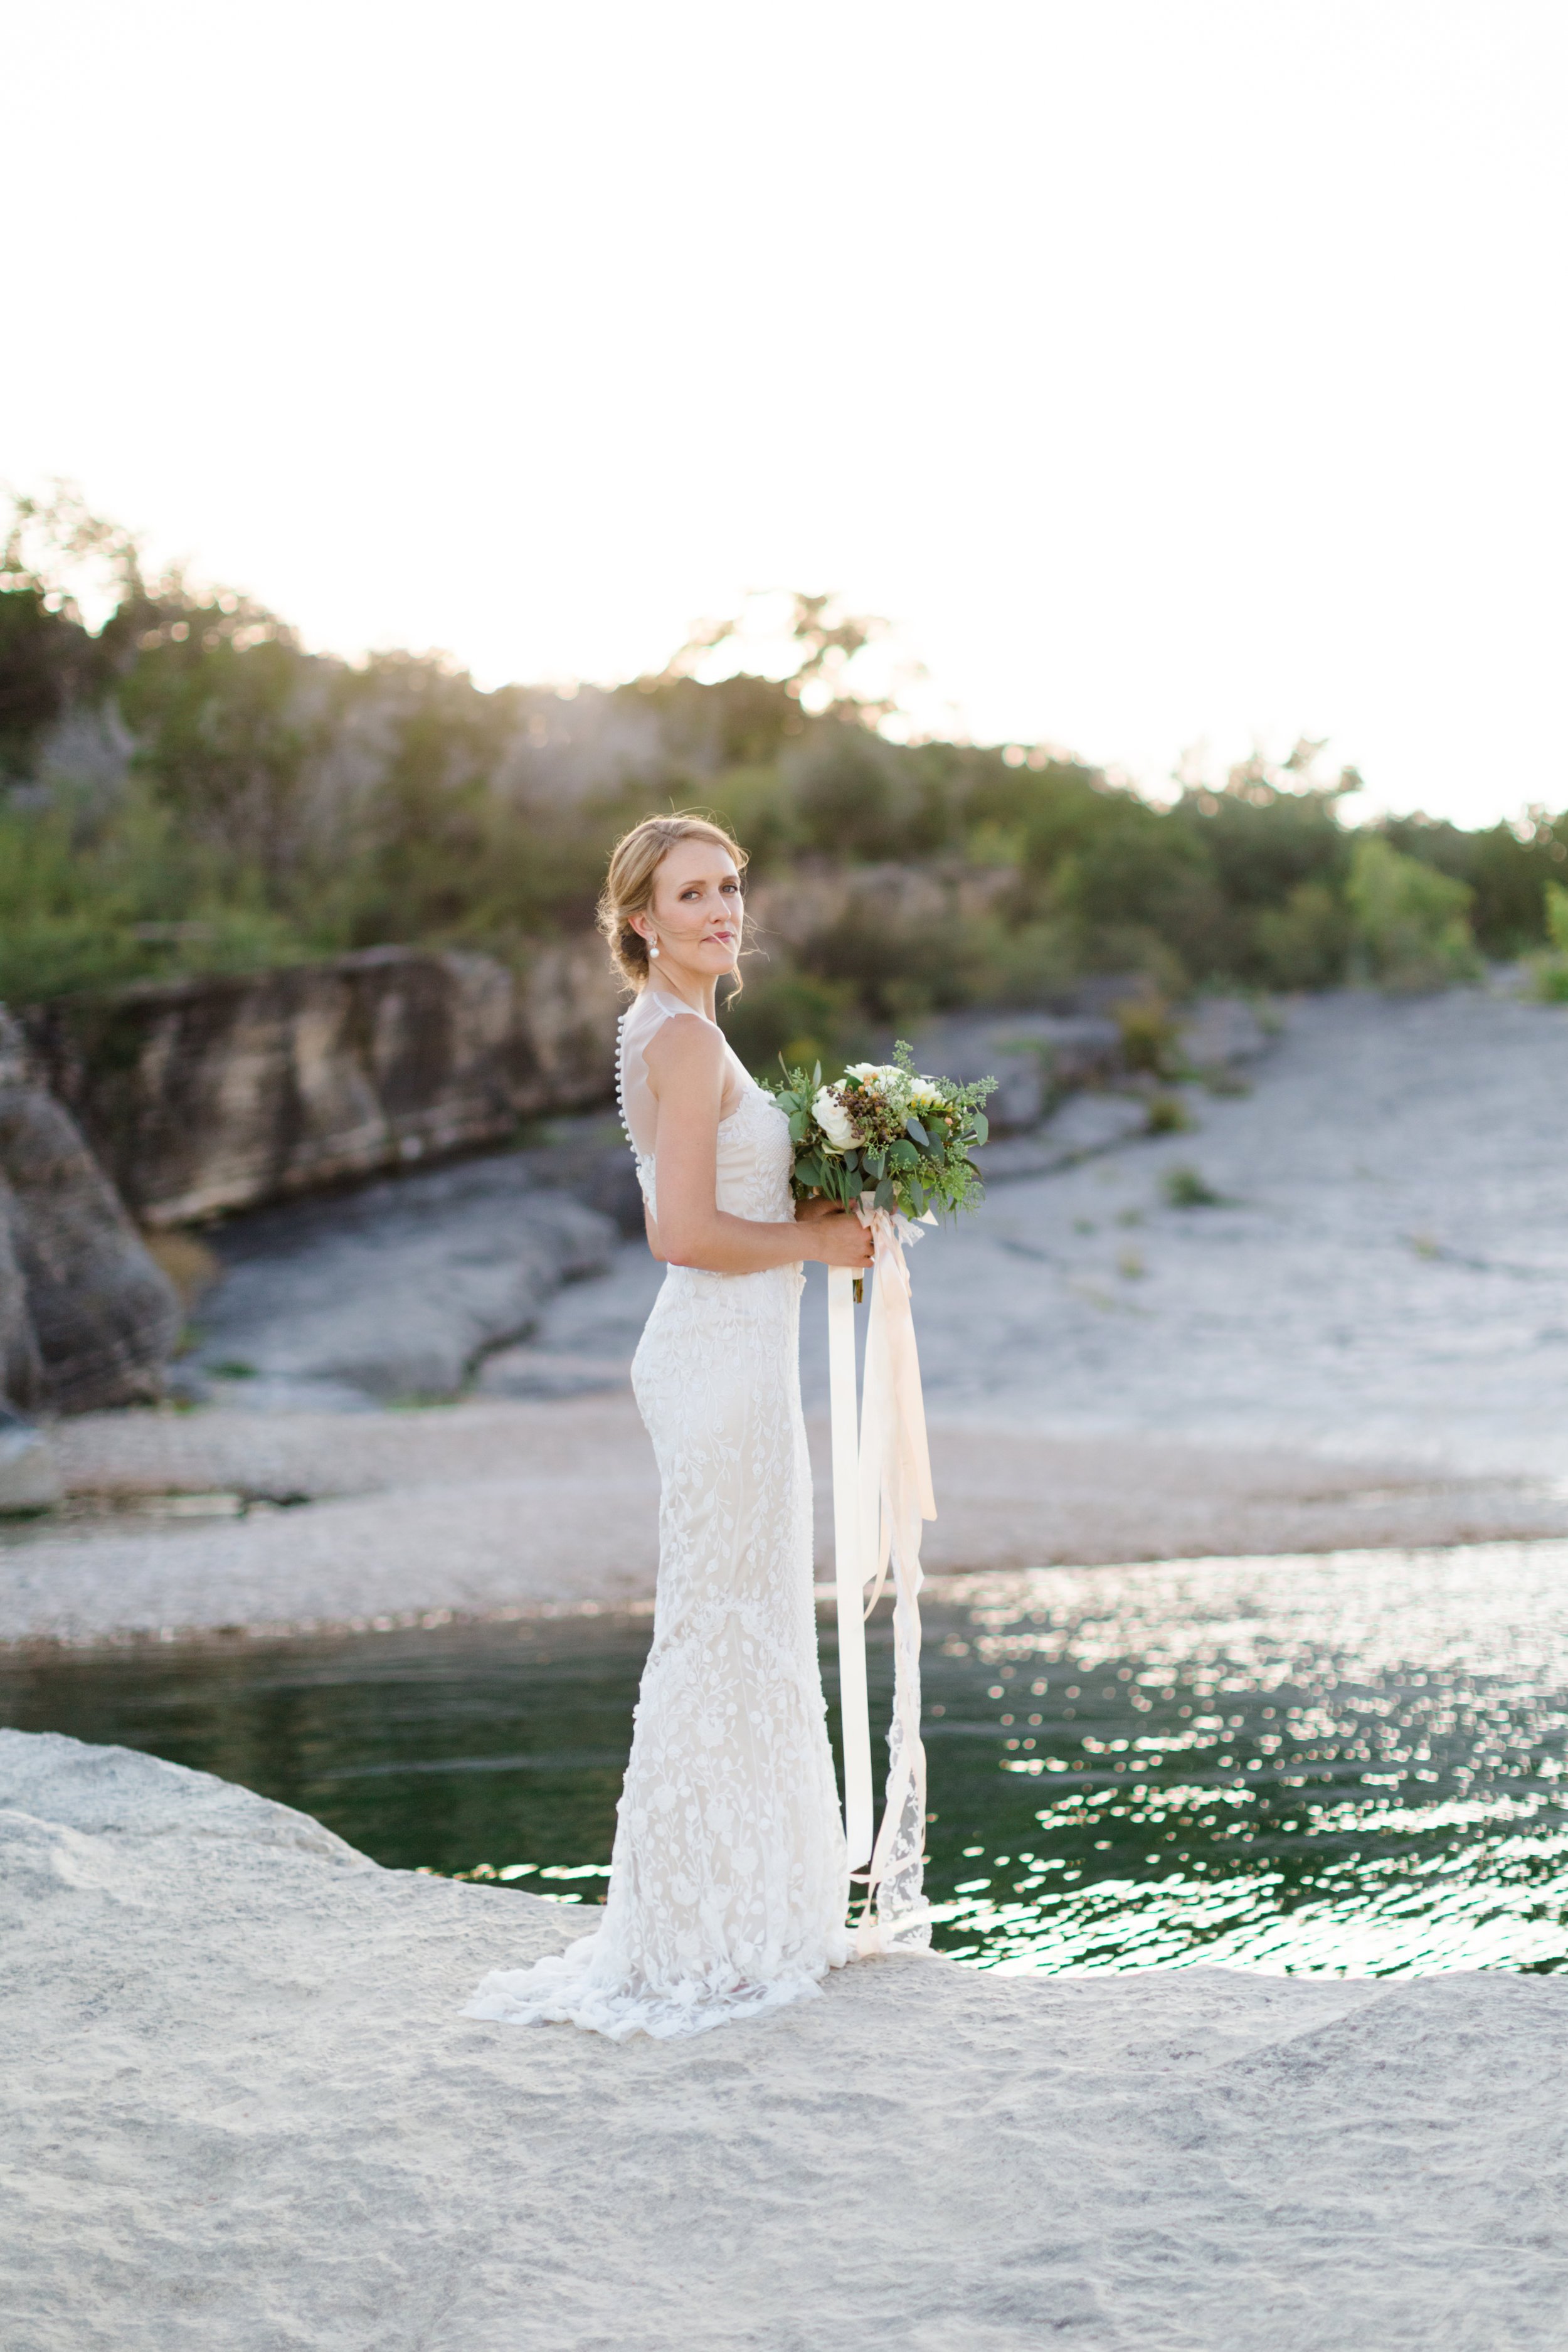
(755, 1158)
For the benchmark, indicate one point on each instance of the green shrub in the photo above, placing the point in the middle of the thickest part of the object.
(1304, 942)
(1185, 1189)
(1510, 868)
(1411, 928)
(781, 1011)
(1551, 971)
(998, 962)
(91, 902)
(1151, 1041)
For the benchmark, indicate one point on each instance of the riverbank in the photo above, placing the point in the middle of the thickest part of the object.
(187, 1523)
(1332, 1313)
(244, 2108)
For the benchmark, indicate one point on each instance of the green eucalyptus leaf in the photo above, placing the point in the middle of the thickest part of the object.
(904, 1155)
(913, 1126)
(884, 1194)
(981, 1127)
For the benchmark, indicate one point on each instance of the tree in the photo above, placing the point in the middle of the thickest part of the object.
(820, 643)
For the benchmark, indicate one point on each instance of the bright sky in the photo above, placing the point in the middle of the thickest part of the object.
(1168, 370)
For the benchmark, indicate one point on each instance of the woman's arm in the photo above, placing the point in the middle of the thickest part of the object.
(686, 1066)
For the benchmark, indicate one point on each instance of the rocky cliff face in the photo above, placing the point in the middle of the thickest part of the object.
(201, 1096)
(86, 1317)
(21, 1368)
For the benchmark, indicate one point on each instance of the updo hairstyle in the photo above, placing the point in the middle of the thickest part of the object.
(628, 885)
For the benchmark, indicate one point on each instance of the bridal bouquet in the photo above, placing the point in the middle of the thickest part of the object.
(885, 1130)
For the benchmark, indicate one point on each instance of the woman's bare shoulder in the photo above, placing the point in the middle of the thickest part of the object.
(685, 1047)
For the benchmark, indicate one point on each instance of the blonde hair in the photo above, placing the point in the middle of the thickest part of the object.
(629, 884)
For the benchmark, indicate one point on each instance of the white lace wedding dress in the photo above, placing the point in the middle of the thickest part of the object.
(729, 1881)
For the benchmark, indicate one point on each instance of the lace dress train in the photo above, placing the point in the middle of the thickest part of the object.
(729, 1882)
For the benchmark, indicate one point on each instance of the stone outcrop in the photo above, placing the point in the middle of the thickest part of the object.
(1036, 1058)
(394, 1292)
(202, 1096)
(21, 1370)
(814, 898)
(86, 1317)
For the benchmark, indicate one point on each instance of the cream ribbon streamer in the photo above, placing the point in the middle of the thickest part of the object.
(881, 1493)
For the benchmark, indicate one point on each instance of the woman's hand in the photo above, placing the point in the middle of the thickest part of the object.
(834, 1238)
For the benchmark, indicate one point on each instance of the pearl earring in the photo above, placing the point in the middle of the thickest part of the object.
(653, 949)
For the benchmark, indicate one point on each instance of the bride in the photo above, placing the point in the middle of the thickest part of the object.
(729, 1883)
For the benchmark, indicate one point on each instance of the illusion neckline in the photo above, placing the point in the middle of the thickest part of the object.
(676, 1004)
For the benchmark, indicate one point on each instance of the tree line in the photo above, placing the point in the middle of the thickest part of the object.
(185, 788)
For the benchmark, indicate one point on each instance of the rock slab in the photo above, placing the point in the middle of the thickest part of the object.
(395, 1292)
(242, 2108)
(206, 1095)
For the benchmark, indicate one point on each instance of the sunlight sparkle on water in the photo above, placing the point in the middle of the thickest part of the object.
(1379, 1745)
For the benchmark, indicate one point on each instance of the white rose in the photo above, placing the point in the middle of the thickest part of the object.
(878, 1076)
(834, 1120)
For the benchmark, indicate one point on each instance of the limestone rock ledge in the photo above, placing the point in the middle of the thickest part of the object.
(395, 1291)
(206, 1095)
(242, 2108)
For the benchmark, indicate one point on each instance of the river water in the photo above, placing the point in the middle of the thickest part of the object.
(1351, 1763)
